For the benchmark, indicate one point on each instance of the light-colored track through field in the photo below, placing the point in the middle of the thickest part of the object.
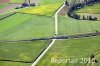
(53, 41)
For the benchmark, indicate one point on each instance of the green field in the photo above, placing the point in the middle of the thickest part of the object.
(3, 5)
(5, 15)
(40, 1)
(14, 64)
(72, 49)
(21, 51)
(47, 10)
(24, 26)
(39, 22)
(17, 1)
(50, 1)
(95, 9)
(69, 26)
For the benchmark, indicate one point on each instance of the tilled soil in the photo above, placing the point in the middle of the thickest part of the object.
(32, 1)
(9, 7)
(63, 12)
(4, 1)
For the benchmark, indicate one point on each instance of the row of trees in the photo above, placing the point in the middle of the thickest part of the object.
(25, 5)
(90, 2)
(77, 16)
(89, 18)
(79, 6)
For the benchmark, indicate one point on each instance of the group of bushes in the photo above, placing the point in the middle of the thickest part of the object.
(79, 6)
(25, 5)
(89, 18)
(77, 16)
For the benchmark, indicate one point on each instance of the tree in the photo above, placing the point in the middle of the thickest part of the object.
(87, 17)
(78, 16)
(25, 5)
(71, 3)
(90, 18)
(95, 18)
(66, 3)
(84, 17)
(92, 56)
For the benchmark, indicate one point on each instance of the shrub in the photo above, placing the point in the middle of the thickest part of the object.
(25, 5)
(95, 18)
(92, 56)
(84, 17)
(90, 18)
(66, 3)
(33, 4)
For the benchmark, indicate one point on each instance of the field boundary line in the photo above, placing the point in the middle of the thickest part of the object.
(39, 58)
(56, 19)
(57, 37)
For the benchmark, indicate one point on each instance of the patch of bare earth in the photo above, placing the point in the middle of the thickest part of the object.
(32, 1)
(8, 8)
(63, 11)
(4, 1)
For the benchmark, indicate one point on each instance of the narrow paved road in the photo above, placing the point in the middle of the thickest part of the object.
(56, 18)
(53, 41)
(39, 58)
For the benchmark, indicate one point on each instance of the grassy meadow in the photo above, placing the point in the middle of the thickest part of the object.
(38, 22)
(41, 2)
(69, 26)
(95, 9)
(2, 63)
(51, 1)
(21, 51)
(25, 26)
(3, 5)
(17, 1)
(72, 49)
(46, 10)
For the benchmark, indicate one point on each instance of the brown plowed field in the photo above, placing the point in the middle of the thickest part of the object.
(9, 7)
(63, 12)
(4, 1)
